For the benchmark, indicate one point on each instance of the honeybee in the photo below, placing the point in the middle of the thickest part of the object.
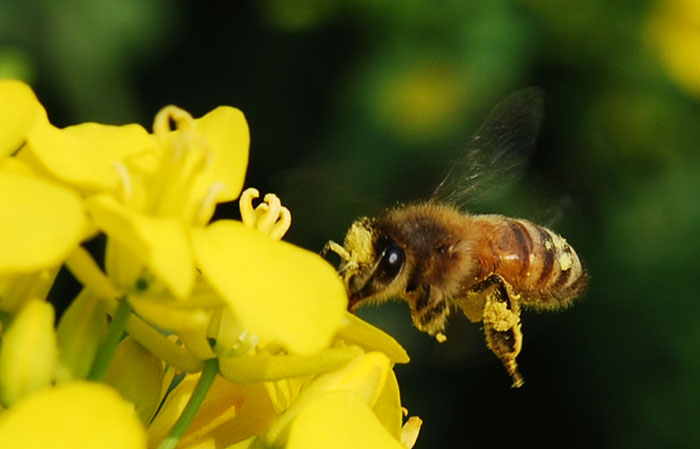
(440, 258)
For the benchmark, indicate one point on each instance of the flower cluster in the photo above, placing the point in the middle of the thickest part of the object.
(186, 332)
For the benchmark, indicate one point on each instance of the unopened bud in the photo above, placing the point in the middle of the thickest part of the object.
(29, 353)
(138, 375)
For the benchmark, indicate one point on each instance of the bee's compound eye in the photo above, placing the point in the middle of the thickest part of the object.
(392, 258)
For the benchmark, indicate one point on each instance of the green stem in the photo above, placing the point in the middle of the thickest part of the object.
(109, 346)
(211, 369)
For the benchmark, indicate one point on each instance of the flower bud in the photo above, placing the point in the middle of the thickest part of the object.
(29, 353)
(138, 376)
(81, 330)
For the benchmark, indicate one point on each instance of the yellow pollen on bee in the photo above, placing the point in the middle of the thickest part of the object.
(358, 243)
(565, 261)
(440, 337)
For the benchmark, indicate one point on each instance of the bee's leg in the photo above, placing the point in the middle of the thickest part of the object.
(336, 248)
(502, 324)
(429, 310)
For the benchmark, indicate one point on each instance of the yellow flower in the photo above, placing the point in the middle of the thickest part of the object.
(153, 196)
(41, 222)
(283, 363)
(199, 164)
(203, 161)
(267, 391)
(330, 410)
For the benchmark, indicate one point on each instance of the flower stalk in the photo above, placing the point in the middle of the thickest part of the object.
(109, 346)
(206, 379)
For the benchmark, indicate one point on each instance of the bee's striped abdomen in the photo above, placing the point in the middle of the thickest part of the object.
(539, 264)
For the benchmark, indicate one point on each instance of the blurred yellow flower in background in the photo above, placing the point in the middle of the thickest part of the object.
(422, 100)
(674, 30)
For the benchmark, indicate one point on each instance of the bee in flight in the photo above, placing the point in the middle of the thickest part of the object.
(440, 258)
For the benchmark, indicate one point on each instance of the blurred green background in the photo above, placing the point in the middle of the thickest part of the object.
(356, 105)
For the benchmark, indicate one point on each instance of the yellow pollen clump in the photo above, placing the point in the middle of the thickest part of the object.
(565, 261)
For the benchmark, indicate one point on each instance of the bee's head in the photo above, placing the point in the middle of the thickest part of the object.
(372, 263)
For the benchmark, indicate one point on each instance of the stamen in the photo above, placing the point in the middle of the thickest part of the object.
(271, 212)
(260, 212)
(269, 217)
(245, 204)
(125, 184)
(410, 430)
(206, 207)
(161, 124)
(247, 345)
(186, 155)
(281, 226)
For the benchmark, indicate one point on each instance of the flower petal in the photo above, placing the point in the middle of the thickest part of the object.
(364, 378)
(159, 243)
(339, 420)
(277, 291)
(40, 223)
(388, 406)
(226, 132)
(253, 414)
(19, 112)
(230, 413)
(77, 415)
(85, 155)
(267, 367)
(357, 331)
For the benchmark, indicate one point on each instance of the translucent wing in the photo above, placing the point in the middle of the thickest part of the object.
(498, 150)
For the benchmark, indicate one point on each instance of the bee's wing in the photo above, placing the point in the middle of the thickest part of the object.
(497, 151)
